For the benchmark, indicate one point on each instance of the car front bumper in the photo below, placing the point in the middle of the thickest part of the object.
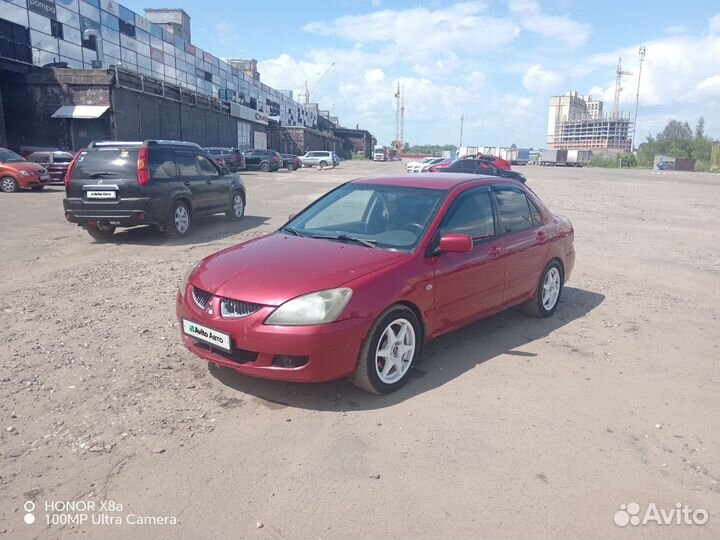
(329, 351)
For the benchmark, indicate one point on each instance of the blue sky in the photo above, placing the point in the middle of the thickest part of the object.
(495, 62)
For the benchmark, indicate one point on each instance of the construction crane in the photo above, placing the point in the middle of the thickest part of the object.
(618, 87)
(307, 90)
(400, 118)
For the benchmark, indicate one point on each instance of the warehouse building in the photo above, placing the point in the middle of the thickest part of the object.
(578, 123)
(67, 53)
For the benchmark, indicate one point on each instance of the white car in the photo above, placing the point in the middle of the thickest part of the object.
(415, 166)
(424, 167)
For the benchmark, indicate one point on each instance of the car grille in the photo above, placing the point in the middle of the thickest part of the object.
(237, 308)
(202, 298)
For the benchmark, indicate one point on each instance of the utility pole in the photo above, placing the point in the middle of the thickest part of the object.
(397, 114)
(462, 121)
(401, 140)
(641, 52)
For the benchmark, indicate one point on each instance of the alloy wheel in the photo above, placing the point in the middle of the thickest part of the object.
(551, 288)
(238, 205)
(182, 219)
(395, 351)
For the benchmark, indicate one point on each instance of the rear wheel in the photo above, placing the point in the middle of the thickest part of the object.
(179, 220)
(391, 346)
(265, 166)
(547, 296)
(323, 164)
(290, 167)
(8, 184)
(100, 232)
(237, 206)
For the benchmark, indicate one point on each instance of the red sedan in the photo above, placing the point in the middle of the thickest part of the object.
(361, 279)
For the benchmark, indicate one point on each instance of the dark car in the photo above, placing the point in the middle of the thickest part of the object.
(230, 157)
(165, 183)
(291, 162)
(478, 166)
(57, 162)
(263, 160)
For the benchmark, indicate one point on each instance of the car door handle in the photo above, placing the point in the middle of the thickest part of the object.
(209, 181)
(496, 251)
(541, 236)
(187, 183)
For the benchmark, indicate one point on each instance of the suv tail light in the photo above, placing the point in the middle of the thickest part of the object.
(70, 168)
(143, 169)
(276, 157)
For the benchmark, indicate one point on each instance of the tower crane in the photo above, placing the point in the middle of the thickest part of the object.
(618, 87)
(307, 90)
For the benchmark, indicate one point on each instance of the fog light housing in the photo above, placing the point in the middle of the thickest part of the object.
(284, 361)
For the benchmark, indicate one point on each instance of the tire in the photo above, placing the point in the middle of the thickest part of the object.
(236, 211)
(179, 220)
(265, 166)
(101, 233)
(8, 184)
(37, 188)
(547, 295)
(322, 164)
(290, 167)
(368, 374)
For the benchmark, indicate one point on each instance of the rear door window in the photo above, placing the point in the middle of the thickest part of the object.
(187, 165)
(38, 158)
(106, 163)
(513, 210)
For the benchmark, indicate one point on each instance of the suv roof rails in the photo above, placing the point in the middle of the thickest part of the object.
(132, 144)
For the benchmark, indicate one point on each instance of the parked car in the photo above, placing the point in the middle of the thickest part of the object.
(425, 167)
(231, 157)
(291, 162)
(17, 173)
(498, 162)
(320, 158)
(114, 184)
(665, 166)
(413, 257)
(263, 160)
(411, 165)
(56, 162)
(478, 166)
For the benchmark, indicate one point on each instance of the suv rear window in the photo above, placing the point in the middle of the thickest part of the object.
(114, 162)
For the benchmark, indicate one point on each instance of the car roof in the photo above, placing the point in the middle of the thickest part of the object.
(445, 181)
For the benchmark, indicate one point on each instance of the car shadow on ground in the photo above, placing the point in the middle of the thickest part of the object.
(204, 229)
(443, 360)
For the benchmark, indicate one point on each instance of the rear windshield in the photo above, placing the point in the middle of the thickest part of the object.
(106, 163)
(8, 156)
(62, 158)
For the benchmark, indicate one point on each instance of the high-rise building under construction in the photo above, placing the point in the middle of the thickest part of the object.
(578, 123)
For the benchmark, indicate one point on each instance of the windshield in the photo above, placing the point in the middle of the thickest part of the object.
(8, 156)
(391, 217)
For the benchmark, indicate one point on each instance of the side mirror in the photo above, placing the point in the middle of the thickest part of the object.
(455, 243)
(291, 217)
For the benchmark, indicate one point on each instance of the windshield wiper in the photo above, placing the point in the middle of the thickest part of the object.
(291, 230)
(103, 173)
(347, 238)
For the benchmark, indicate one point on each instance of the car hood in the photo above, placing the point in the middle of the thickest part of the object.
(24, 166)
(278, 267)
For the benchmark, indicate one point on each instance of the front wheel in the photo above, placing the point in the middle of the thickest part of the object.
(8, 184)
(391, 346)
(179, 220)
(237, 207)
(547, 296)
(322, 164)
(290, 167)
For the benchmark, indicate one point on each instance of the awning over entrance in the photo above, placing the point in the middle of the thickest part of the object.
(80, 111)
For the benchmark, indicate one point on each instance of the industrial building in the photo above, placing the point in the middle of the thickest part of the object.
(57, 58)
(577, 122)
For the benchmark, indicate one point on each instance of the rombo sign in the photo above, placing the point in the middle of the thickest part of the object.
(43, 7)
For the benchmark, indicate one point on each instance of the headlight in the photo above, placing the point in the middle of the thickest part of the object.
(184, 282)
(315, 308)
(25, 173)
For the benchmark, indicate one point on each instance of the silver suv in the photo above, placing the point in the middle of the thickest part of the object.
(320, 158)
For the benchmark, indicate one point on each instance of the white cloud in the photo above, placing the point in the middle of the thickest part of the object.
(710, 85)
(715, 24)
(424, 34)
(538, 79)
(561, 28)
(676, 29)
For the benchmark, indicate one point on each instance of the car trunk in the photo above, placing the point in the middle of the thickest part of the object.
(105, 170)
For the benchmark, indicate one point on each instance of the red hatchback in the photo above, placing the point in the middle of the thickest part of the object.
(361, 279)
